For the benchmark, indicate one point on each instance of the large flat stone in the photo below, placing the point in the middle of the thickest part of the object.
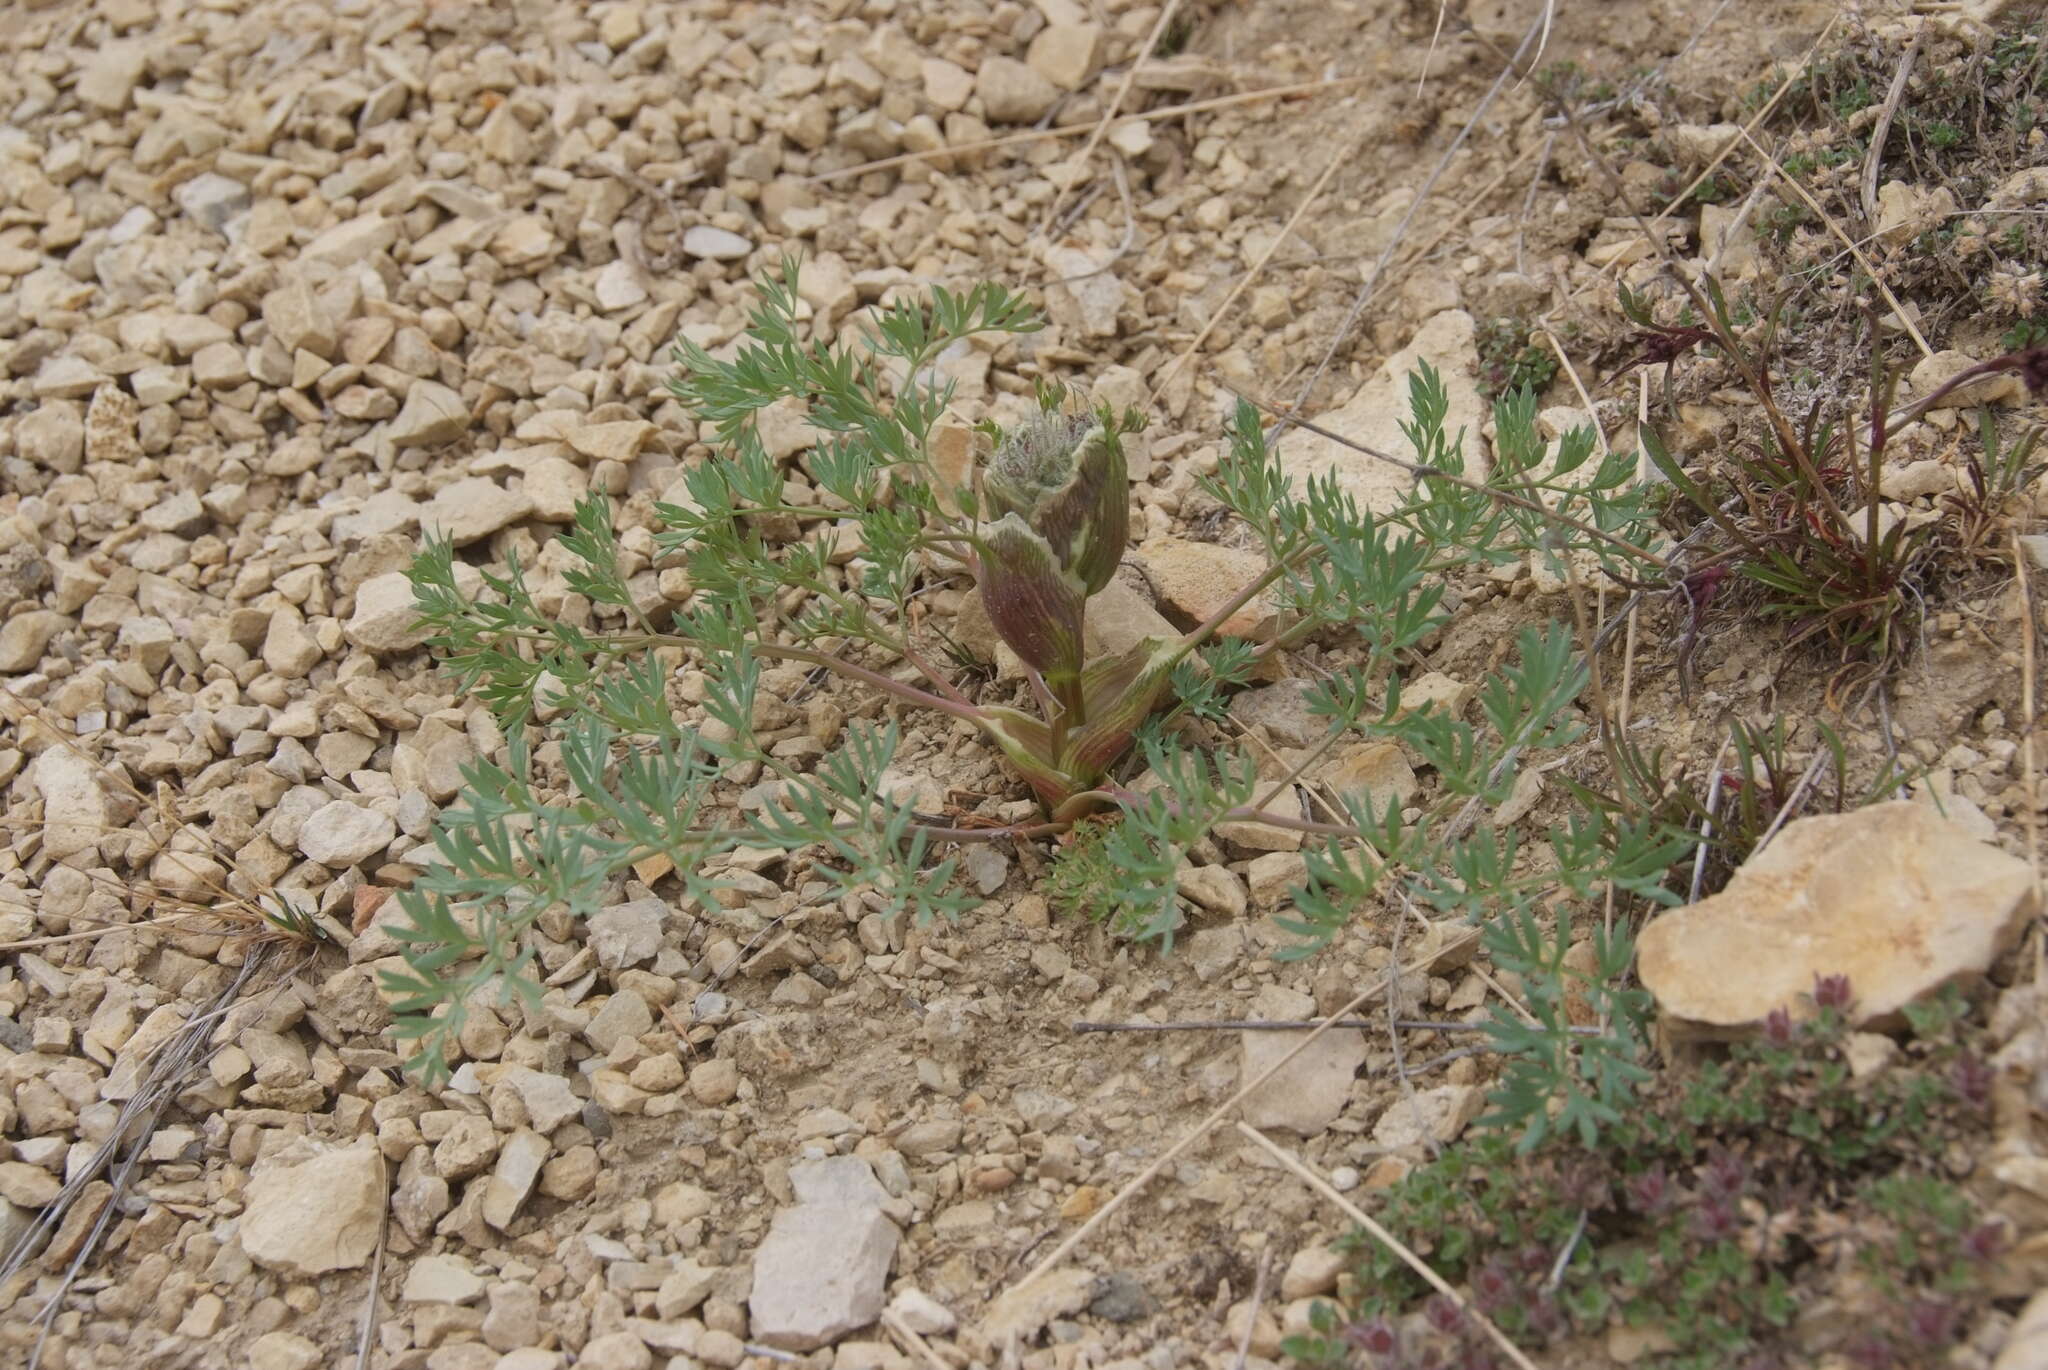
(1897, 898)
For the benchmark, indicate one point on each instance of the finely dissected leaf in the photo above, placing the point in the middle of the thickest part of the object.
(779, 574)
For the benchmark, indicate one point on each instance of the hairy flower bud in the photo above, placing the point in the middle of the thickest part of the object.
(1057, 497)
(1064, 475)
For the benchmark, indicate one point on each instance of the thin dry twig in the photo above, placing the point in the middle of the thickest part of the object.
(1289, 1025)
(1123, 93)
(1874, 159)
(2028, 761)
(173, 1064)
(1372, 280)
(366, 1332)
(1388, 1240)
(1293, 418)
(1401, 1080)
(1684, 196)
(1039, 135)
(1130, 238)
(1912, 330)
(1251, 1324)
(1218, 1114)
(913, 1343)
(1244, 282)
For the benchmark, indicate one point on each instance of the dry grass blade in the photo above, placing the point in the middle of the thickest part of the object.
(1388, 1240)
(174, 1064)
(912, 1342)
(1372, 280)
(1873, 160)
(244, 915)
(1644, 234)
(1039, 135)
(366, 1332)
(1244, 282)
(1251, 1322)
(2028, 761)
(1841, 235)
(1222, 1111)
(1123, 93)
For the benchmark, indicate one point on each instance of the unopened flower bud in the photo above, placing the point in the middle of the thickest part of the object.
(1058, 507)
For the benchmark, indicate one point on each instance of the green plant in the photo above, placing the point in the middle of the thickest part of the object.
(1711, 1214)
(1510, 361)
(1802, 508)
(2024, 334)
(602, 772)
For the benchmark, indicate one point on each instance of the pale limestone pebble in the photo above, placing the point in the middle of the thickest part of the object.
(441, 1279)
(108, 79)
(525, 242)
(620, 440)
(213, 201)
(1374, 415)
(1213, 888)
(24, 637)
(1200, 579)
(283, 1351)
(616, 1351)
(1376, 775)
(466, 1148)
(1068, 55)
(921, 1313)
(707, 243)
(1896, 898)
(340, 834)
(1217, 953)
(1313, 1270)
(311, 1209)
(29, 1186)
(110, 426)
(387, 511)
(822, 1270)
(220, 366)
(628, 934)
(1931, 373)
(986, 868)
(624, 1015)
(289, 648)
(1013, 93)
(715, 1082)
(433, 414)
(617, 286)
(353, 240)
(1439, 1114)
(1306, 1094)
(1022, 1311)
(299, 321)
(52, 435)
(1086, 294)
(67, 378)
(514, 1317)
(77, 812)
(519, 1164)
(553, 487)
(472, 509)
(547, 1097)
(1255, 834)
(1283, 710)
